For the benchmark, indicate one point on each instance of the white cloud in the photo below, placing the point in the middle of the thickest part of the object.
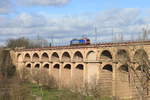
(126, 21)
(43, 2)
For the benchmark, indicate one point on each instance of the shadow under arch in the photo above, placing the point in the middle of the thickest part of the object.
(107, 67)
(46, 66)
(80, 67)
(123, 56)
(55, 56)
(67, 66)
(27, 57)
(28, 65)
(35, 57)
(124, 68)
(78, 56)
(140, 56)
(106, 55)
(56, 66)
(45, 56)
(37, 66)
(66, 57)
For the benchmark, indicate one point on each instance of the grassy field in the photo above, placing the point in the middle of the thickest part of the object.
(55, 94)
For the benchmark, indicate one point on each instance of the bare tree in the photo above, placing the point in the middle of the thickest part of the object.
(140, 80)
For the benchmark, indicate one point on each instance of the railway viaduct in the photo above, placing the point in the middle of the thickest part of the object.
(107, 64)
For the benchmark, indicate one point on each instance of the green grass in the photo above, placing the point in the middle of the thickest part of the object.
(56, 94)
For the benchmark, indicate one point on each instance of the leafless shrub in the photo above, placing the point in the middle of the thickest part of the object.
(43, 78)
(24, 74)
(92, 88)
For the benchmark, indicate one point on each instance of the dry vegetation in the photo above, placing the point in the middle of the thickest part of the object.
(11, 86)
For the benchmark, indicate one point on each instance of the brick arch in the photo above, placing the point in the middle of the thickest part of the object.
(27, 57)
(91, 55)
(123, 73)
(123, 55)
(67, 66)
(140, 55)
(19, 57)
(106, 74)
(19, 61)
(35, 57)
(78, 56)
(80, 66)
(124, 68)
(56, 66)
(106, 54)
(66, 75)
(78, 75)
(28, 65)
(107, 67)
(123, 77)
(55, 57)
(46, 66)
(55, 71)
(66, 57)
(45, 56)
(37, 65)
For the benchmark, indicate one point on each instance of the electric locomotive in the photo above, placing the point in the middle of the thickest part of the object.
(83, 41)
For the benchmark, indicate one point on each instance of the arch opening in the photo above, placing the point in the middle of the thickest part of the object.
(142, 68)
(27, 57)
(106, 55)
(28, 66)
(45, 56)
(56, 66)
(66, 56)
(78, 56)
(140, 56)
(55, 57)
(123, 56)
(46, 66)
(35, 57)
(68, 66)
(124, 68)
(108, 68)
(37, 66)
(19, 58)
(80, 67)
(91, 56)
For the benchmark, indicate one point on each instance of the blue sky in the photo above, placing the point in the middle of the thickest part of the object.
(58, 18)
(85, 6)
